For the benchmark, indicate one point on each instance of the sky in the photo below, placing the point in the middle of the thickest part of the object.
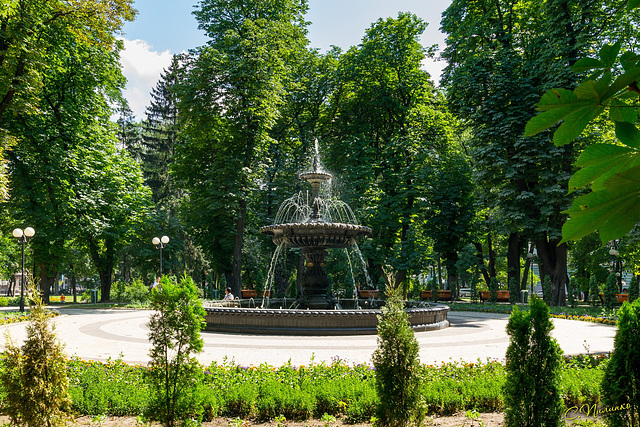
(165, 27)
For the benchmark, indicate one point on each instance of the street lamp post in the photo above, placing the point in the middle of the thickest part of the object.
(23, 237)
(530, 257)
(617, 266)
(159, 242)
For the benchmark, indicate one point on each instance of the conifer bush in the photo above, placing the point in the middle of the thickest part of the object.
(572, 290)
(594, 291)
(621, 382)
(514, 291)
(398, 372)
(547, 290)
(34, 376)
(174, 372)
(610, 290)
(531, 391)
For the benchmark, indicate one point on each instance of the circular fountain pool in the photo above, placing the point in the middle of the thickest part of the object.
(278, 321)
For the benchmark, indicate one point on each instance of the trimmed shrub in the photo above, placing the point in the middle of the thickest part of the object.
(398, 371)
(531, 393)
(621, 382)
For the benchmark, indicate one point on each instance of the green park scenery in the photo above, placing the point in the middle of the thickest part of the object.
(521, 167)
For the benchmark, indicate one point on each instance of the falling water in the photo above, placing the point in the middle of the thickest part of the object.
(356, 249)
(270, 274)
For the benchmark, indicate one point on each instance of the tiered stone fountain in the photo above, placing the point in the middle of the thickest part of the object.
(318, 312)
(314, 236)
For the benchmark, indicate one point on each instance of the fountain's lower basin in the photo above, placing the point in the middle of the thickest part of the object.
(267, 321)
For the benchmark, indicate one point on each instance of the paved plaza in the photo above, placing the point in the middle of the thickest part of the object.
(102, 334)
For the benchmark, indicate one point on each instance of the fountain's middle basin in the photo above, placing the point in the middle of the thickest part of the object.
(267, 321)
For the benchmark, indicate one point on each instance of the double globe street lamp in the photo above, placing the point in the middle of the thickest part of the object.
(23, 237)
(159, 242)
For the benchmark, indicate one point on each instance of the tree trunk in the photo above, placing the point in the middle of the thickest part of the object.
(483, 269)
(492, 258)
(106, 276)
(513, 258)
(46, 280)
(236, 281)
(554, 264)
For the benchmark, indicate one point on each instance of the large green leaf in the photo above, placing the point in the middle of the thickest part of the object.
(575, 123)
(613, 211)
(609, 53)
(628, 134)
(601, 161)
(586, 64)
(633, 4)
(621, 112)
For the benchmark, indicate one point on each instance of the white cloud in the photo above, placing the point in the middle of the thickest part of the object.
(142, 66)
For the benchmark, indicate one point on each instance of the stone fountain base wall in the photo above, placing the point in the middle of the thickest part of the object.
(315, 322)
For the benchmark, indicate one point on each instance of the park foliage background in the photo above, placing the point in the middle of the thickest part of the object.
(443, 175)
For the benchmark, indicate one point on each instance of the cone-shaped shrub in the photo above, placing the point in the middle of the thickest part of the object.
(398, 371)
(610, 290)
(531, 391)
(621, 382)
(547, 290)
(514, 291)
(34, 376)
(594, 291)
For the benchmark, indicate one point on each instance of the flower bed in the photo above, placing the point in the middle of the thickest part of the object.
(301, 392)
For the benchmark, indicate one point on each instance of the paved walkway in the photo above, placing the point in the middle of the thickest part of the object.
(102, 334)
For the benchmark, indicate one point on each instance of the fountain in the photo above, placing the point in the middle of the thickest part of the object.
(313, 237)
(308, 224)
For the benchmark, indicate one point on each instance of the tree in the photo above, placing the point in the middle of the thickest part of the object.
(175, 337)
(34, 376)
(63, 163)
(113, 205)
(501, 58)
(531, 391)
(397, 364)
(30, 30)
(384, 131)
(246, 58)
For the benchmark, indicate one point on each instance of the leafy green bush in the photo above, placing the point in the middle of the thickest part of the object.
(4, 301)
(398, 373)
(175, 336)
(531, 392)
(621, 382)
